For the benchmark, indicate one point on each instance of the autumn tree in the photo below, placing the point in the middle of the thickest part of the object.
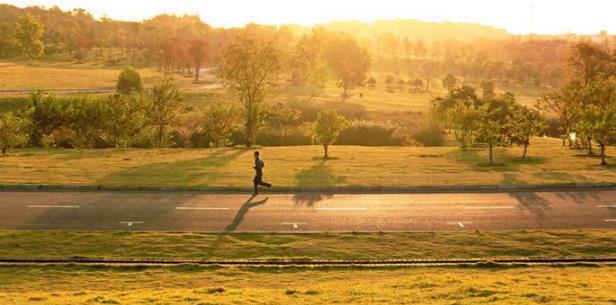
(28, 33)
(349, 61)
(327, 128)
(249, 67)
(198, 54)
(427, 70)
(308, 63)
(163, 104)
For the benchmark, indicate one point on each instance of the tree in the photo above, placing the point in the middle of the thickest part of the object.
(125, 118)
(308, 61)
(492, 125)
(327, 128)
(349, 61)
(12, 131)
(129, 81)
(600, 115)
(524, 124)
(449, 82)
(565, 105)
(427, 69)
(164, 102)
(28, 33)
(198, 54)
(371, 82)
(220, 120)
(46, 114)
(589, 62)
(249, 66)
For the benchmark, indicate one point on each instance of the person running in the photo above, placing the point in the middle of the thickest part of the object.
(258, 180)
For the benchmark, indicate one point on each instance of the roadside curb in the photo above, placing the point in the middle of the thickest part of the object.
(349, 189)
(305, 262)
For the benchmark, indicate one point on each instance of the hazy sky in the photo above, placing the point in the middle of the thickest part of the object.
(516, 16)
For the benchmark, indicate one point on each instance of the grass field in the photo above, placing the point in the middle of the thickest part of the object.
(303, 167)
(436, 245)
(55, 285)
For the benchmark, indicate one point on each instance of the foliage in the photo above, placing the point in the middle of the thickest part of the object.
(124, 118)
(129, 81)
(327, 128)
(368, 134)
(349, 61)
(249, 66)
(219, 122)
(280, 119)
(523, 124)
(449, 82)
(162, 108)
(13, 131)
(28, 33)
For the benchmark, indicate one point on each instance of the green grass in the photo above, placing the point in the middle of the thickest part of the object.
(301, 166)
(183, 285)
(507, 244)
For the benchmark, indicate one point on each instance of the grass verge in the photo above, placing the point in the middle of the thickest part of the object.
(506, 244)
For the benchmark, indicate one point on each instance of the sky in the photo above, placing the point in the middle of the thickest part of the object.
(515, 16)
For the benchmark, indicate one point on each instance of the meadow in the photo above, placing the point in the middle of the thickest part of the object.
(188, 284)
(303, 167)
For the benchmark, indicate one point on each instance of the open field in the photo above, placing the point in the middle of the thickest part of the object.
(302, 167)
(196, 285)
(348, 246)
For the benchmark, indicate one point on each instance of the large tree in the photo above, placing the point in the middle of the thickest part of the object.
(197, 51)
(249, 66)
(28, 33)
(524, 124)
(349, 61)
(129, 81)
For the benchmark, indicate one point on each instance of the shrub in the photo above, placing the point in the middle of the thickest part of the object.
(129, 81)
(430, 135)
(368, 134)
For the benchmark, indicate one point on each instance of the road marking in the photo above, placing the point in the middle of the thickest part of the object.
(459, 223)
(294, 224)
(131, 223)
(606, 206)
(610, 220)
(199, 208)
(55, 206)
(341, 209)
(488, 208)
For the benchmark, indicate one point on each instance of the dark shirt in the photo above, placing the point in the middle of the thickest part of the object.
(259, 166)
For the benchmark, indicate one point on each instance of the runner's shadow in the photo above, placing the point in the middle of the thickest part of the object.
(239, 217)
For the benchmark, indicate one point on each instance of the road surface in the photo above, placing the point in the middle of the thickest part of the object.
(306, 212)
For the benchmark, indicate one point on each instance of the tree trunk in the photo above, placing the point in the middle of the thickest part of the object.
(491, 153)
(603, 160)
(325, 152)
(160, 135)
(4, 150)
(345, 93)
(525, 154)
(590, 152)
(197, 69)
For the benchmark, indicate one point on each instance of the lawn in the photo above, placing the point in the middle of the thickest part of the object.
(346, 246)
(302, 167)
(188, 284)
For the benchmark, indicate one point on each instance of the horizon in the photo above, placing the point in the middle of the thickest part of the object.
(522, 17)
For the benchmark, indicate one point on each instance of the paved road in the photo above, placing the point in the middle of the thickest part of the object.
(306, 212)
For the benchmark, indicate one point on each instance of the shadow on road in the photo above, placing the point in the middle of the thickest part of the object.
(532, 202)
(239, 217)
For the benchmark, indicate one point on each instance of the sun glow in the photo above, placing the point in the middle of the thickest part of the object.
(516, 16)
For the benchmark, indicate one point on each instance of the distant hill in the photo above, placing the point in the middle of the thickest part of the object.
(412, 29)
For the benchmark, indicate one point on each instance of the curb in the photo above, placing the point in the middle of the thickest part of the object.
(302, 262)
(350, 189)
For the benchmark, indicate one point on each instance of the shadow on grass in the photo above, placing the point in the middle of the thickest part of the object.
(182, 173)
(316, 176)
(503, 161)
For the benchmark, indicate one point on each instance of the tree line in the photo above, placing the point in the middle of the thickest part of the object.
(584, 108)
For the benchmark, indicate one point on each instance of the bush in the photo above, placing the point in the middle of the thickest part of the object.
(368, 134)
(430, 135)
(129, 81)
(295, 136)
